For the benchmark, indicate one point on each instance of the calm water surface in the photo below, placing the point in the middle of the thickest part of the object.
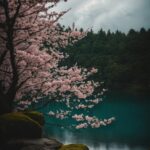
(130, 131)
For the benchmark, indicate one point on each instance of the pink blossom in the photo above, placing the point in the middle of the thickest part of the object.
(94, 70)
(96, 101)
(78, 117)
(82, 125)
(22, 63)
(51, 113)
(81, 106)
(89, 119)
(36, 67)
(95, 125)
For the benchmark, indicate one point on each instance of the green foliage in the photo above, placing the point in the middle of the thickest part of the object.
(122, 59)
(18, 125)
(36, 116)
(74, 147)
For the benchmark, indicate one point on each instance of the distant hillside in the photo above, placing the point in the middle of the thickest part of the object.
(123, 60)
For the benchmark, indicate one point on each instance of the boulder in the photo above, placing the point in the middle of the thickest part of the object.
(74, 147)
(18, 125)
(33, 144)
(37, 116)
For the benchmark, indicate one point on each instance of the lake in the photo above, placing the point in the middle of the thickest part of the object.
(130, 131)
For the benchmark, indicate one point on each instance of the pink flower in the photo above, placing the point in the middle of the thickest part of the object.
(22, 63)
(81, 106)
(51, 113)
(96, 101)
(95, 125)
(93, 70)
(89, 119)
(82, 125)
(78, 117)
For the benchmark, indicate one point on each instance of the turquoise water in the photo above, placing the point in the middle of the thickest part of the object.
(130, 131)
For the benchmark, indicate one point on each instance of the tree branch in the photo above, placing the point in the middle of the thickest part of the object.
(3, 56)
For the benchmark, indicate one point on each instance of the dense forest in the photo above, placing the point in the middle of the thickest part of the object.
(122, 59)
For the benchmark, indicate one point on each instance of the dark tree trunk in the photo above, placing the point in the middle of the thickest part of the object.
(5, 105)
(7, 98)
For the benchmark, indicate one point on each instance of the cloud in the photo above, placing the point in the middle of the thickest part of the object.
(107, 14)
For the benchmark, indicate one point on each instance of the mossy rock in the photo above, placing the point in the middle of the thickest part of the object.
(74, 147)
(32, 144)
(37, 116)
(18, 125)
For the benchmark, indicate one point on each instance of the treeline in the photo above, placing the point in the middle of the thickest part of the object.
(122, 59)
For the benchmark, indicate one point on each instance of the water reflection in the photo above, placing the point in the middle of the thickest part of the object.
(115, 147)
(130, 131)
(69, 138)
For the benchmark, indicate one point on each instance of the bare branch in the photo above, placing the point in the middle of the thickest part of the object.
(3, 56)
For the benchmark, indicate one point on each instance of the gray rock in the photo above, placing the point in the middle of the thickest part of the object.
(33, 144)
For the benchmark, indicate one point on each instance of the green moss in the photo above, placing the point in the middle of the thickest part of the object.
(37, 116)
(18, 125)
(74, 147)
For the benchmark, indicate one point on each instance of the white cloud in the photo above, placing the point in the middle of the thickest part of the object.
(107, 14)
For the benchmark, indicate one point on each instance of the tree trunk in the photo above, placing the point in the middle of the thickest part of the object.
(5, 105)
(7, 99)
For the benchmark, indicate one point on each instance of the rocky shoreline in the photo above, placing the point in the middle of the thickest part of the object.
(23, 131)
(40, 144)
(32, 144)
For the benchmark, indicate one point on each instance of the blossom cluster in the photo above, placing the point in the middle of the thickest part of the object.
(30, 54)
(91, 121)
(59, 114)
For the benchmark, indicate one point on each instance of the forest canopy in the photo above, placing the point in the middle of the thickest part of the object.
(122, 59)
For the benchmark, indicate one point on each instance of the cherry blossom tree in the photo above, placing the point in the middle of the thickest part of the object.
(30, 71)
(23, 30)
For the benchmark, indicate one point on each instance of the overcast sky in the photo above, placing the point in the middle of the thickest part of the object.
(107, 14)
